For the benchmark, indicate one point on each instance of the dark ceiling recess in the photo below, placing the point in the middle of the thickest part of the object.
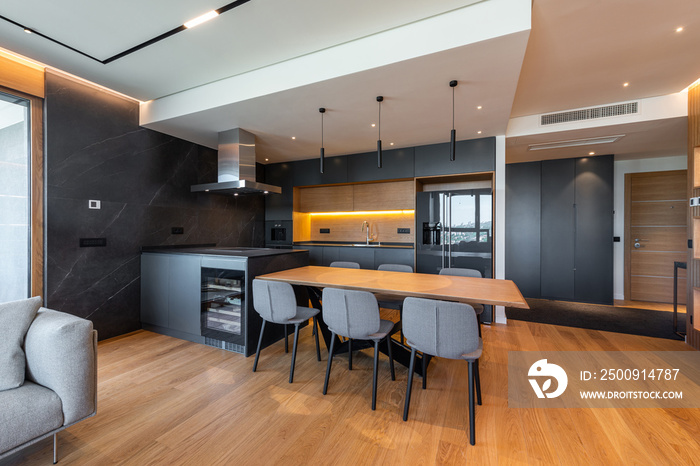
(165, 35)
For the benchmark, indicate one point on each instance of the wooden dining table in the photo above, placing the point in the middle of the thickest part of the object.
(400, 284)
(468, 290)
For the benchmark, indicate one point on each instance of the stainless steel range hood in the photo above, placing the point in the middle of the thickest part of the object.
(236, 166)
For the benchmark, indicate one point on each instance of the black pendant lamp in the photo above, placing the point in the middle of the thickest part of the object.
(453, 133)
(379, 133)
(322, 111)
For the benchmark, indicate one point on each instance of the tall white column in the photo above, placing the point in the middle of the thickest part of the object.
(499, 316)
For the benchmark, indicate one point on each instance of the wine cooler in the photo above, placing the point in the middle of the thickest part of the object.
(223, 307)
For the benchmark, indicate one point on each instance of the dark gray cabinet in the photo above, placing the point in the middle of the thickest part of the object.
(368, 258)
(559, 228)
(593, 246)
(308, 173)
(279, 206)
(184, 285)
(523, 218)
(471, 156)
(155, 279)
(396, 164)
(170, 291)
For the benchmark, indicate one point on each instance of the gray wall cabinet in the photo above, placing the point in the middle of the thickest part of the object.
(559, 228)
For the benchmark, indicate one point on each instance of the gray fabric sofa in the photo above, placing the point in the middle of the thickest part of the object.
(60, 386)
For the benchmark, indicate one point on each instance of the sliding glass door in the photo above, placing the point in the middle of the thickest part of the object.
(15, 198)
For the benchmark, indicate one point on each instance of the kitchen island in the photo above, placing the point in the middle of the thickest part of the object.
(203, 293)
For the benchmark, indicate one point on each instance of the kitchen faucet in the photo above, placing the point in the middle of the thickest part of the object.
(368, 237)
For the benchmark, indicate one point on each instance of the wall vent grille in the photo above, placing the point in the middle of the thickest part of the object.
(590, 113)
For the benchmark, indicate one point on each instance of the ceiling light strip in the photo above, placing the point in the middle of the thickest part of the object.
(165, 35)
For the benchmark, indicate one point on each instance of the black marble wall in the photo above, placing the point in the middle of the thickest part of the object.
(95, 149)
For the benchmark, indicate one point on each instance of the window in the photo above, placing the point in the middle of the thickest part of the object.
(15, 198)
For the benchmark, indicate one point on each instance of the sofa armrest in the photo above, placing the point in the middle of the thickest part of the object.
(61, 351)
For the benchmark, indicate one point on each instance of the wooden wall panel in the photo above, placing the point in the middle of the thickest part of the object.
(349, 227)
(693, 324)
(21, 75)
(326, 199)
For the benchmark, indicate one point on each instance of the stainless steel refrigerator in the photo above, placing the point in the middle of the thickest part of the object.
(455, 229)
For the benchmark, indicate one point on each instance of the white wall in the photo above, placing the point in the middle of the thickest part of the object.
(499, 312)
(622, 167)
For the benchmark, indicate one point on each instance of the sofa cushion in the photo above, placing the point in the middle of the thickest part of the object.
(15, 319)
(27, 413)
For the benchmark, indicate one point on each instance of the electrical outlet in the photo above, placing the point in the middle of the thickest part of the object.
(403, 231)
(325, 230)
(94, 204)
(177, 230)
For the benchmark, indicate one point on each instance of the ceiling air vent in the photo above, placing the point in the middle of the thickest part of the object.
(590, 113)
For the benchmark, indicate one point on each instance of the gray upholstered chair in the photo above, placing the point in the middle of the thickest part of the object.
(396, 268)
(355, 315)
(447, 330)
(276, 302)
(388, 302)
(345, 265)
(459, 272)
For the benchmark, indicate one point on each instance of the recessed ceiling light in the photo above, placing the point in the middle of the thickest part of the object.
(478, 132)
(294, 137)
(625, 84)
(267, 160)
(478, 107)
(591, 153)
(391, 143)
(27, 30)
(201, 19)
(679, 29)
(373, 125)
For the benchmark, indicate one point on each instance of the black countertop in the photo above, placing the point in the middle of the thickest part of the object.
(221, 251)
(356, 245)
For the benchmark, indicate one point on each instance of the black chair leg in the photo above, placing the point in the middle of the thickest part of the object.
(294, 352)
(374, 375)
(391, 357)
(286, 342)
(471, 403)
(349, 354)
(424, 361)
(409, 383)
(257, 352)
(328, 367)
(318, 348)
(478, 383)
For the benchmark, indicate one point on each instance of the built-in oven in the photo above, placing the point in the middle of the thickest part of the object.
(223, 308)
(278, 233)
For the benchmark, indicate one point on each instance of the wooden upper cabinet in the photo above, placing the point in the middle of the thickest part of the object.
(326, 199)
(395, 195)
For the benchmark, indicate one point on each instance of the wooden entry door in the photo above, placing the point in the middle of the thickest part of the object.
(656, 235)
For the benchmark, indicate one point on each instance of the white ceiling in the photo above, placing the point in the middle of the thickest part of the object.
(578, 55)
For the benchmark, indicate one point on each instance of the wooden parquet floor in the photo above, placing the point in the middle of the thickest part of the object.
(168, 401)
